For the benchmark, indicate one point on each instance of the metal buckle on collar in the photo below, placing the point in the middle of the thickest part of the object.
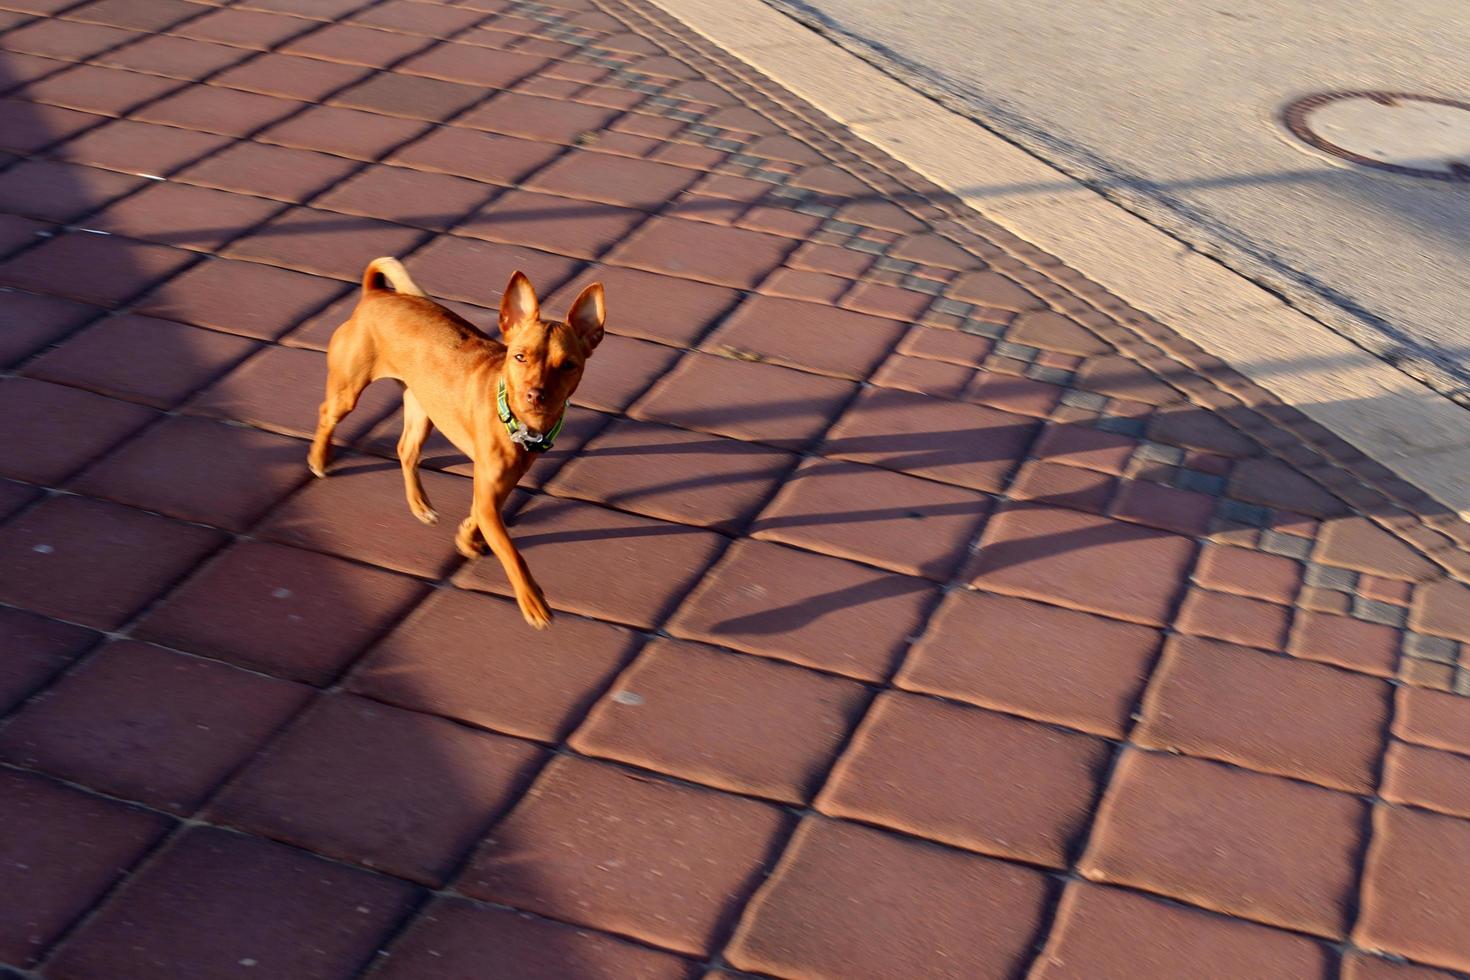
(519, 434)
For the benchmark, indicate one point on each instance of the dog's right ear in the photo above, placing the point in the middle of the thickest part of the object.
(518, 306)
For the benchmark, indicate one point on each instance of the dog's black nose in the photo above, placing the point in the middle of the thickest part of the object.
(535, 395)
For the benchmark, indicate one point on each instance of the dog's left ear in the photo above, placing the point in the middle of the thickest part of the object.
(588, 313)
(518, 306)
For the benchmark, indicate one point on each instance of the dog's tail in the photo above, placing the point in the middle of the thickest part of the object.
(393, 271)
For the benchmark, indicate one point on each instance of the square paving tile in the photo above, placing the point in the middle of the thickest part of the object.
(404, 16)
(726, 720)
(140, 15)
(951, 346)
(281, 389)
(1034, 660)
(140, 148)
(1112, 934)
(396, 790)
(409, 197)
(472, 64)
(470, 657)
(61, 849)
(55, 191)
(289, 76)
(612, 180)
(146, 724)
(410, 96)
(53, 430)
(970, 778)
(292, 613)
(102, 90)
(967, 445)
(1272, 714)
(598, 846)
(909, 525)
(244, 28)
(1259, 847)
(1433, 718)
(325, 242)
(355, 45)
(650, 306)
(451, 268)
(811, 336)
(1244, 571)
(535, 118)
(218, 110)
(808, 609)
(344, 132)
(142, 359)
(1165, 507)
(184, 216)
(707, 253)
(1352, 643)
(1082, 445)
(598, 562)
(276, 172)
(244, 298)
(33, 650)
(1427, 778)
(562, 225)
(1044, 482)
(199, 470)
(30, 322)
(97, 269)
(1090, 563)
(1442, 608)
(454, 937)
(1234, 618)
(1415, 896)
(487, 157)
(359, 511)
(26, 128)
(763, 402)
(842, 894)
(620, 370)
(175, 57)
(92, 562)
(674, 474)
(214, 900)
(922, 375)
(66, 39)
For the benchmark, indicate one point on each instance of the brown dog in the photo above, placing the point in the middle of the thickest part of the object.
(500, 404)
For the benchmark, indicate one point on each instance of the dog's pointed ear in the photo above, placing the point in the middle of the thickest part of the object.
(518, 305)
(588, 313)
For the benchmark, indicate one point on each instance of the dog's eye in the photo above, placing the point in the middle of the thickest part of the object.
(521, 358)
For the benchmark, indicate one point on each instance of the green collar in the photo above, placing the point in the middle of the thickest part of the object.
(520, 435)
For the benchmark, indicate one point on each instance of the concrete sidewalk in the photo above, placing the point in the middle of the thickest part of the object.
(923, 610)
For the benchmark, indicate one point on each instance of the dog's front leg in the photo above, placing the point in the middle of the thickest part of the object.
(490, 496)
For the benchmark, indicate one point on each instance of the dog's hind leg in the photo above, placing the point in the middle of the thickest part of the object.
(349, 370)
(416, 428)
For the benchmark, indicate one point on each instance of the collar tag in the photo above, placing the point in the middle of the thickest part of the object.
(519, 434)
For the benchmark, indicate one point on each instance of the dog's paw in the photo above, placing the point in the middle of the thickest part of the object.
(317, 469)
(536, 612)
(468, 542)
(428, 515)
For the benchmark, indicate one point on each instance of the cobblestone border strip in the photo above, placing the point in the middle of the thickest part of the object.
(1335, 464)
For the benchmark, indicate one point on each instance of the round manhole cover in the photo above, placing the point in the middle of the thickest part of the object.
(1413, 135)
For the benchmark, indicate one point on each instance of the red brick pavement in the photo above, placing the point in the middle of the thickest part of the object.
(923, 611)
